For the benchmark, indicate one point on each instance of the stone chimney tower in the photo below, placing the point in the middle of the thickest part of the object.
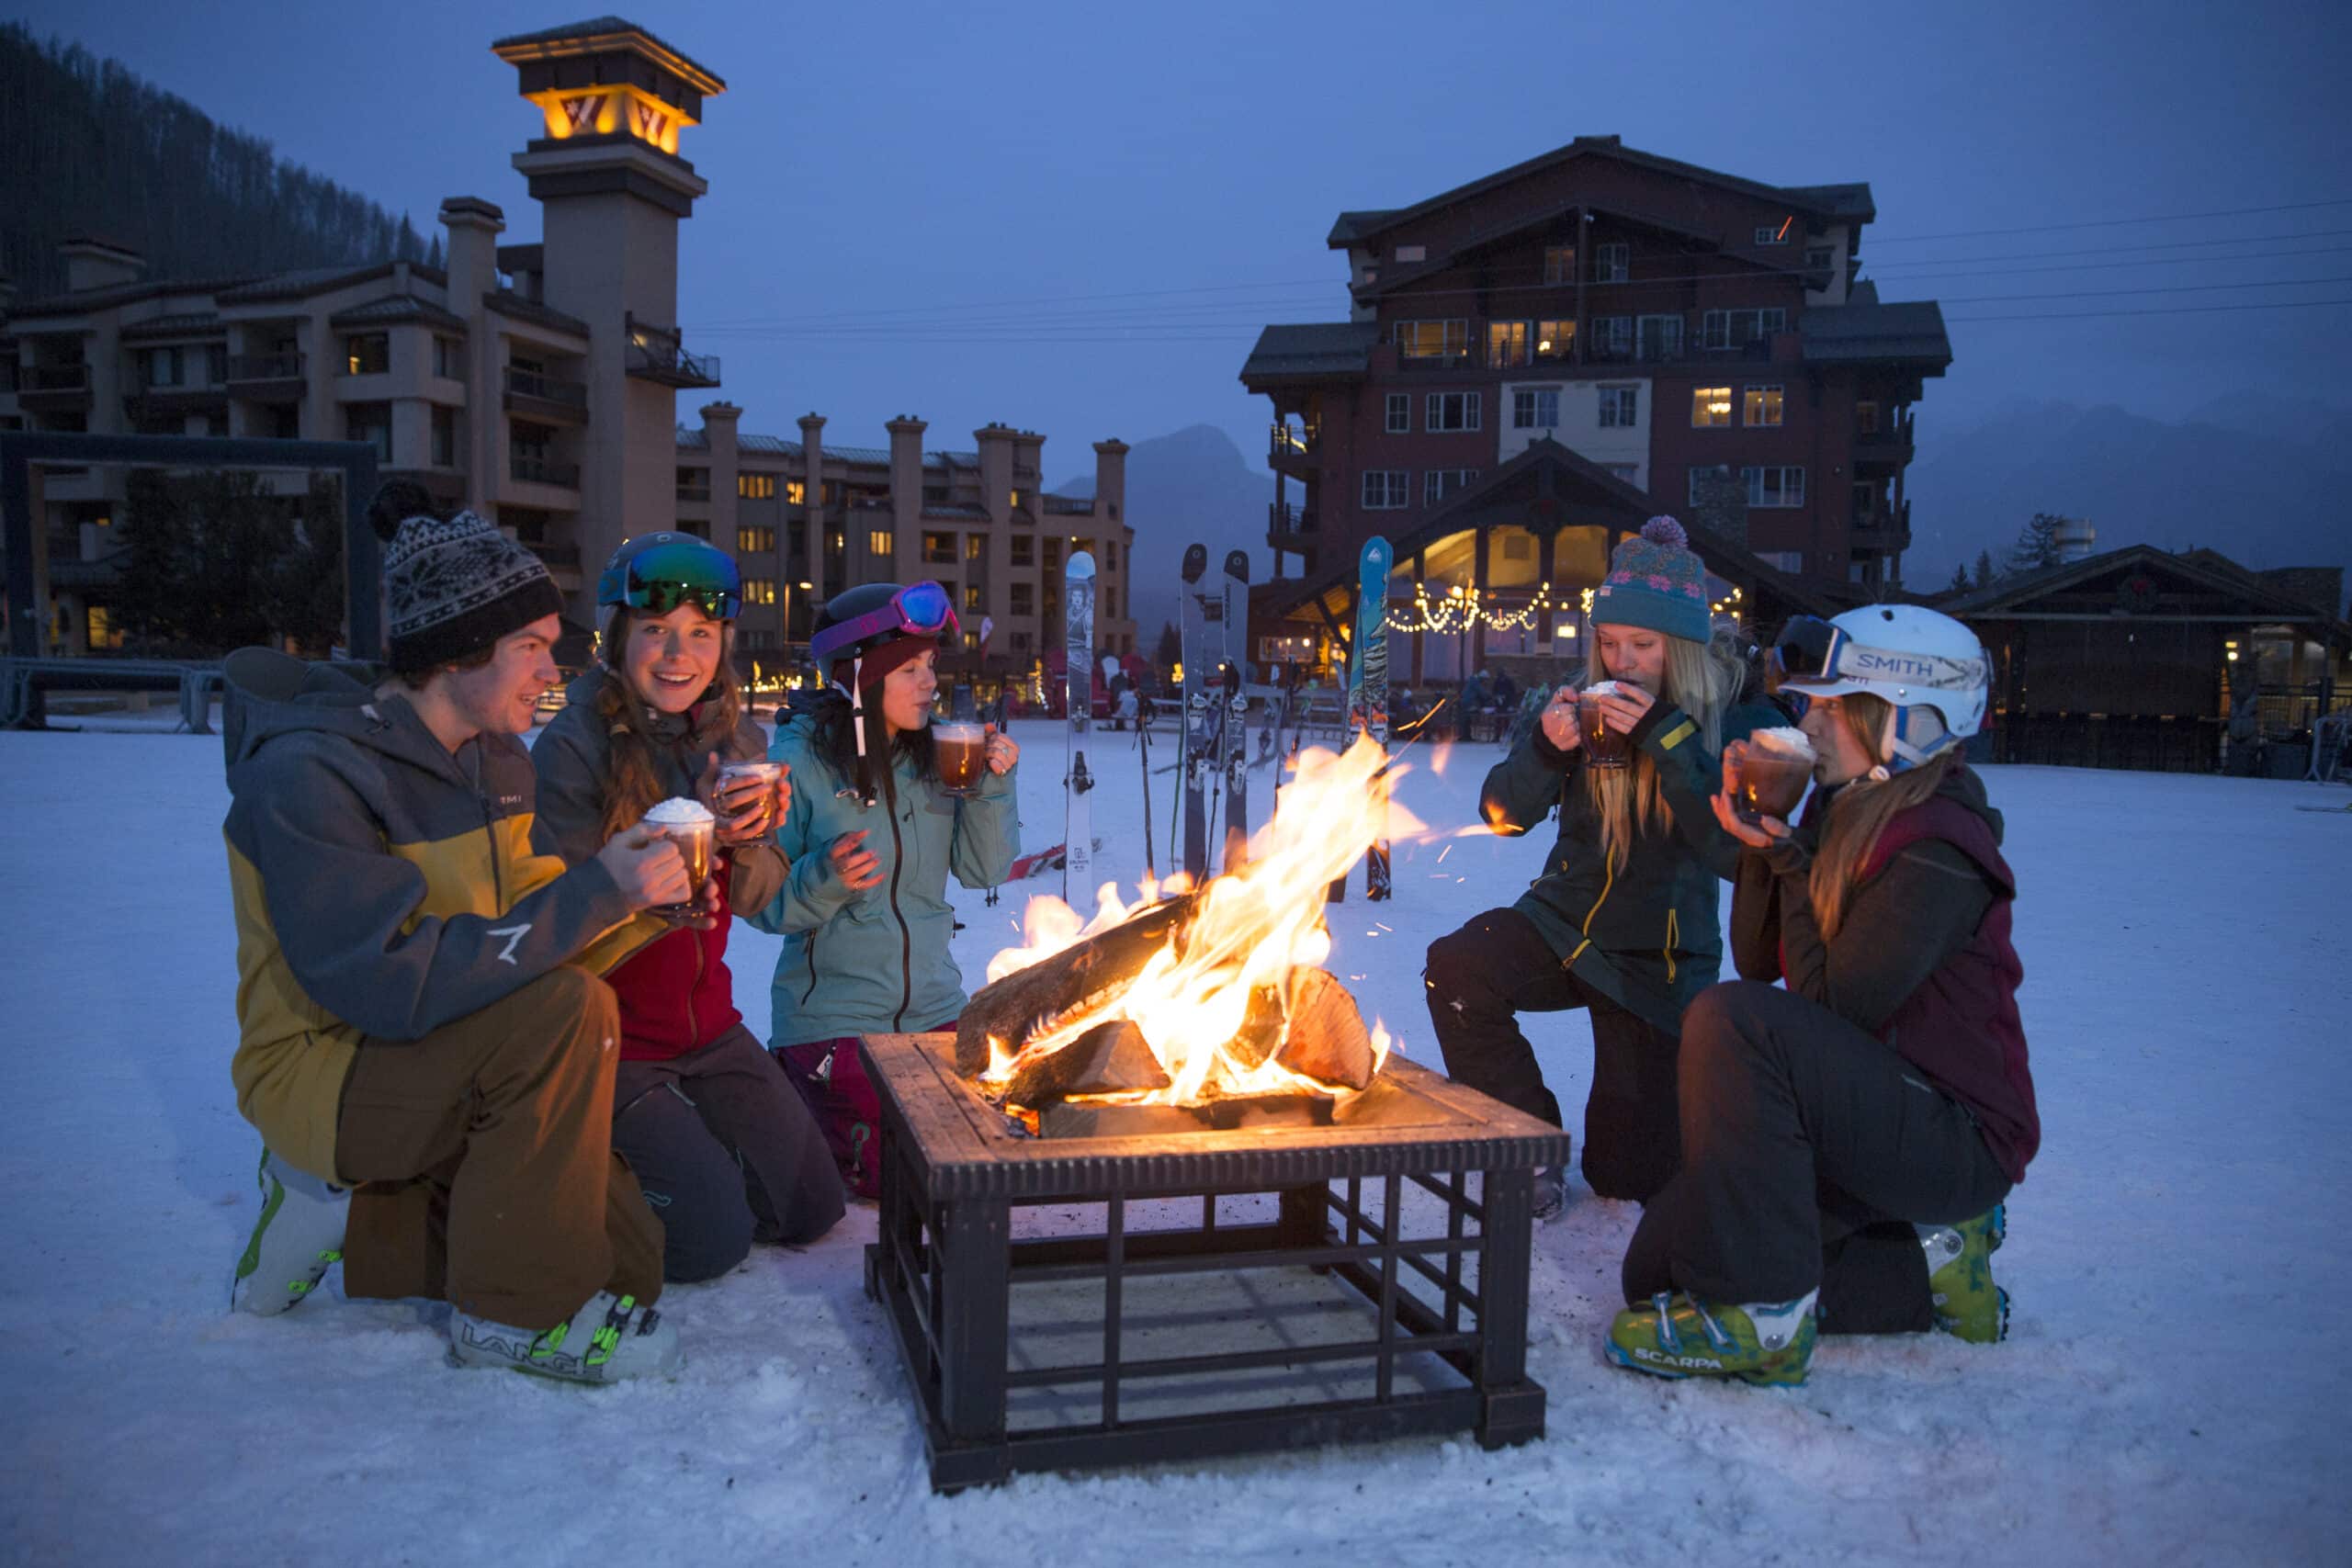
(614, 100)
(474, 226)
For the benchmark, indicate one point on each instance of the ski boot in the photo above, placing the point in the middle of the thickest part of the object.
(1551, 1194)
(1677, 1336)
(1960, 1276)
(297, 1239)
(610, 1338)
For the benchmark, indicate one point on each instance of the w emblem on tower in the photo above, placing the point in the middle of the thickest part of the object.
(580, 113)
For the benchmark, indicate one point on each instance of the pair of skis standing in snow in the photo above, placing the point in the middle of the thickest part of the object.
(1214, 751)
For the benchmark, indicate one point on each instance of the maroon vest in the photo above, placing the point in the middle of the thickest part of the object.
(1961, 1027)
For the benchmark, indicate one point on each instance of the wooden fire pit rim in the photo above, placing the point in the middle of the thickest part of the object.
(964, 1149)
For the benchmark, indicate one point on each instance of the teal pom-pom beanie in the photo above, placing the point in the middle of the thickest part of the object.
(1655, 581)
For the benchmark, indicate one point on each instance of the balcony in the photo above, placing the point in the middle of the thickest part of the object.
(655, 354)
(529, 468)
(1884, 531)
(536, 395)
(1291, 527)
(53, 389)
(694, 493)
(1889, 444)
(267, 377)
(1292, 447)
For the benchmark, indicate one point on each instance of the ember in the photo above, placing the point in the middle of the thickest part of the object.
(1192, 998)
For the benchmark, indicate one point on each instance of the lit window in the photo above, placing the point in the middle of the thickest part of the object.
(976, 546)
(1761, 405)
(367, 354)
(1559, 263)
(754, 541)
(881, 544)
(1620, 406)
(755, 487)
(103, 632)
(759, 591)
(1016, 501)
(939, 549)
(1710, 408)
(1556, 340)
(795, 494)
(1506, 344)
(971, 598)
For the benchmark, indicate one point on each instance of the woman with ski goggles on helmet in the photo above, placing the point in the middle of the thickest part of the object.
(873, 837)
(1848, 1140)
(723, 1147)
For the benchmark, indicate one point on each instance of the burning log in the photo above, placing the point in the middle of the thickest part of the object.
(1326, 1039)
(1027, 1000)
(1107, 1059)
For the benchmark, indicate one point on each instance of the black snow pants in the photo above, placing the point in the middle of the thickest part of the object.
(1499, 965)
(727, 1153)
(1809, 1148)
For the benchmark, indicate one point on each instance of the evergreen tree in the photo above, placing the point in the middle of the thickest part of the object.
(1984, 572)
(1960, 579)
(2037, 545)
(214, 562)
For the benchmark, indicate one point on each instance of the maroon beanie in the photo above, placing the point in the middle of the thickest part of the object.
(883, 658)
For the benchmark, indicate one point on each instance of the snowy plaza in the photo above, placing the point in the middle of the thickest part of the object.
(2166, 1395)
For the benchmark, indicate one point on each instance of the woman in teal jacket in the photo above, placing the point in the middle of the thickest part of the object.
(872, 836)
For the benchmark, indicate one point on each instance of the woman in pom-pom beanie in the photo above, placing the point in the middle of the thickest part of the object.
(1623, 922)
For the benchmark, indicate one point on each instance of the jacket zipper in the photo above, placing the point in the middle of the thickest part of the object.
(1609, 864)
(1673, 930)
(694, 1030)
(906, 937)
(489, 831)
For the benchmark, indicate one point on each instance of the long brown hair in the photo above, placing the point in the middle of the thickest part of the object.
(632, 774)
(1701, 679)
(1859, 812)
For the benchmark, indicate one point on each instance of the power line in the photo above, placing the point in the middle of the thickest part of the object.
(2163, 288)
(2161, 310)
(2112, 222)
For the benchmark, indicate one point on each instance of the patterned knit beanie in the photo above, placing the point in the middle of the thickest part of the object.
(1655, 581)
(453, 586)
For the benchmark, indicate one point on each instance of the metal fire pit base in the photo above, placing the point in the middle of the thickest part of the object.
(1381, 1290)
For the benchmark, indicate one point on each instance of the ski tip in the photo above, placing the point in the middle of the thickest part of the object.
(1196, 562)
(1237, 564)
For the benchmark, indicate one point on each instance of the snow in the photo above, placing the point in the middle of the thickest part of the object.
(2168, 1394)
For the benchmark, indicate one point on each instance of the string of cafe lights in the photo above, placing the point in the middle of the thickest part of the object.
(1458, 609)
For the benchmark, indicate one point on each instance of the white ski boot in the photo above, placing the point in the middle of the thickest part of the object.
(610, 1338)
(297, 1239)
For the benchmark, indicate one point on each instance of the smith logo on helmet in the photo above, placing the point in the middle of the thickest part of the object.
(1921, 668)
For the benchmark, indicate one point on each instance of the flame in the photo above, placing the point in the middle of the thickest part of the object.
(1249, 930)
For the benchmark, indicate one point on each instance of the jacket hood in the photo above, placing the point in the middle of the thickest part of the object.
(271, 693)
(1963, 786)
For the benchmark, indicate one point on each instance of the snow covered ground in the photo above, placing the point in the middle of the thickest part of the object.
(2170, 1394)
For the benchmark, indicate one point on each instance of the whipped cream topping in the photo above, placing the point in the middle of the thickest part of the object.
(1786, 741)
(680, 812)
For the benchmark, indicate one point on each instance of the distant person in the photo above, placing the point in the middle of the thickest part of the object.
(426, 1051)
(720, 1141)
(873, 836)
(1851, 1139)
(1623, 921)
(1505, 693)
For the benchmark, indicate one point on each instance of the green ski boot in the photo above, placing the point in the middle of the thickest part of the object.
(1960, 1276)
(1679, 1337)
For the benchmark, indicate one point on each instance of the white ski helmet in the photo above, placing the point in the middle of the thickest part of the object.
(1928, 667)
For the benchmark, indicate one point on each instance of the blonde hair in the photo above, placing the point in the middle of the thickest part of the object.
(1859, 812)
(1701, 679)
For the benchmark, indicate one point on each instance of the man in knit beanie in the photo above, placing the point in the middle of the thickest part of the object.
(425, 1048)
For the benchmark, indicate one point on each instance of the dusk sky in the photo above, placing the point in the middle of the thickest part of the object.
(1074, 219)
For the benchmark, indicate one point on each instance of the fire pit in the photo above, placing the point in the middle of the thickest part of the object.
(1302, 1239)
(1385, 1294)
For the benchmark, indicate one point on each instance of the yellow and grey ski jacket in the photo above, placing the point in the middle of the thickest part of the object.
(384, 887)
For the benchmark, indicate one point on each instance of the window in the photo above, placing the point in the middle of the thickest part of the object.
(1412, 252)
(1384, 488)
(444, 437)
(1820, 258)
(1771, 486)
(1621, 407)
(698, 526)
(976, 546)
(1439, 483)
(754, 541)
(1710, 408)
(881, 544)
(1535, 407)
(367, 354)
(1612, 337)
(1015, 501)
(1400, 413)
(1775, 233)
(1866, 417)
(103, 632)
(162, 367)
(1431, 340)
(1507, 343)
(1110, 555)
(1024, 598)
(1451, 412)
(759, 591)
(1760, 405)
(1110, 602)
(795, 494)
(1021, 641)
(971, 598)
(1658, 338)
(1629, 472)
(1556, 340)
(448, 358)
(371, 423)
(971, 642)
(1701, 475)
(1787, 560)
(693, 484)
(1559, 263)
(939, 549)
(1613, 262)
(1023, 552)
(1737, 329)
(755, 487)
(286, 421)
(1053, 555)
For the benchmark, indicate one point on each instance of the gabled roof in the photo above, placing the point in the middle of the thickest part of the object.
(311, 280)
(78, 302)
(1317, 348)
(2202, 568)
(186, 323)
(506, 302)
(1848, 201)
(394, 308)
(1389, 282)
(1906, 329)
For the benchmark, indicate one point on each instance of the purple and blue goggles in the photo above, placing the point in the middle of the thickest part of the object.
(920, 609)
(1806, 650)
(659, 578)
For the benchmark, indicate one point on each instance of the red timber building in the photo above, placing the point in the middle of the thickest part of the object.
(1536, 361)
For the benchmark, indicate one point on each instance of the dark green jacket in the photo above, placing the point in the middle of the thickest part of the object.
(1646, 933)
